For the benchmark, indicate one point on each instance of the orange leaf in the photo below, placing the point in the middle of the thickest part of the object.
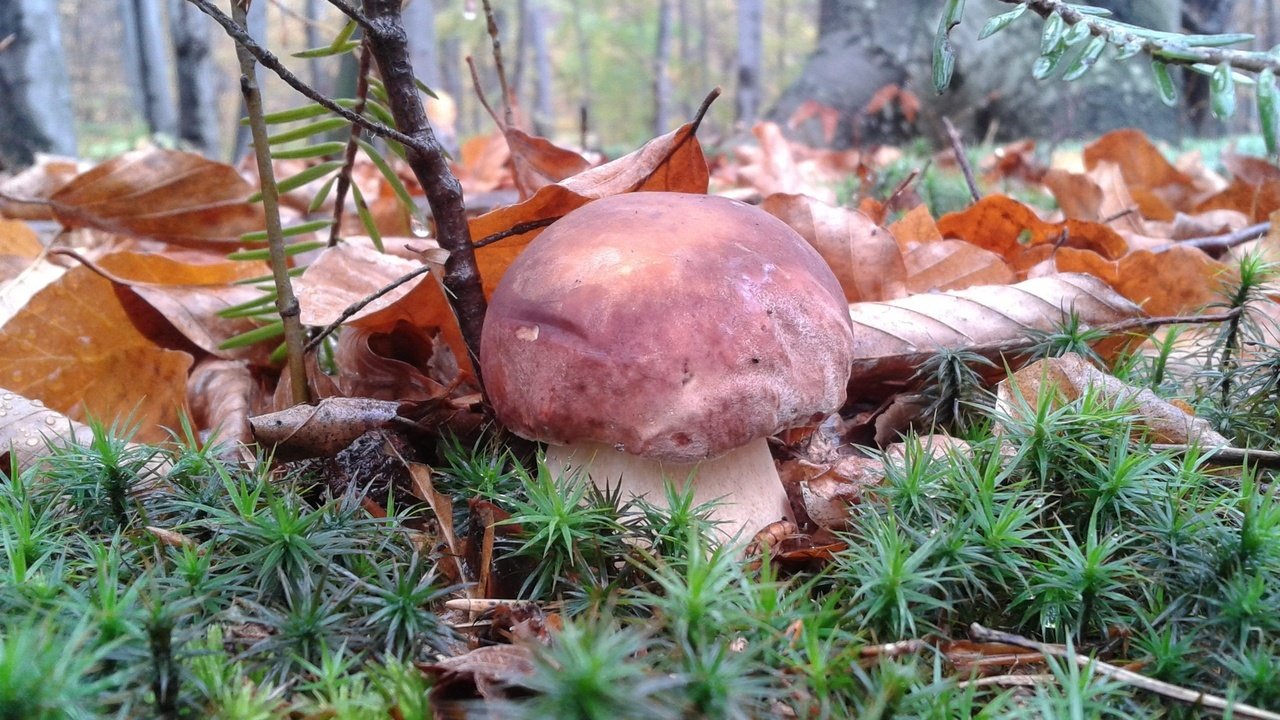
(165, 195)
(1008, 228)
(538, 162)
(74, 347)
(864, 256)
(19, 245)
(1157, 186)
(1176, 281)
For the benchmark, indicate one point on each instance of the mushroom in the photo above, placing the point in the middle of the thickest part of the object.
(655, 334)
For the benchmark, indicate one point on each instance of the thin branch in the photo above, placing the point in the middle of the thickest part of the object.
(1014, 680)
(1168, 52)
(484, 102)
(507, 113)
(286, 303)
(1119, 214)
(360, 304)
(1169, 690)
(1222, 242)
(349, 156)
(272, 63)
(390, 47)
(517, 229)
(1227, 456)
(957, 147)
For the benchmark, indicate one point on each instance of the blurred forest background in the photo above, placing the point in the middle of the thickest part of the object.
(102, 75)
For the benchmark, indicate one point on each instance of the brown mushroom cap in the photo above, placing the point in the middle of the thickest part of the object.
(671, 326)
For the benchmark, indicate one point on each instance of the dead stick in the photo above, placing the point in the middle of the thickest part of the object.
(389, 44)
(957, 147)
(1227, 456)
(517, 229)
(286, 303)
(349, 157)
(1222, 242)
(507, 113)
(1169, 690)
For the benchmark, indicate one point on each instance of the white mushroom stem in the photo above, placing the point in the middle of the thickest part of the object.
(745, 481)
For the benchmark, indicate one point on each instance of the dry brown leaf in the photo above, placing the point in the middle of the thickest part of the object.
(490, 673)
(1178, 281)
(1157, 186)
(37, 182)
(916, 226)
(864, 256)
(323, 429)
(538, 162)
(391, 365)
(188, 297)
(165, 195)
(19, 247)
(1070, 376)
(346, 274)
(953, 265)
(1015, 232)
(75, 347)
(220, 394)
(28, 428)
(484, 164)
(892, 339)
(1256, 202)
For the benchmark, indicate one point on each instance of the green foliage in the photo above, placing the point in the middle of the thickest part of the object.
(1074, 37)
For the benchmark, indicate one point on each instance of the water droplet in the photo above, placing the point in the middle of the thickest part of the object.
(51, 420)
(32, 442)
(619, 447)
(469, 14)
(419, 227)
(37, 403)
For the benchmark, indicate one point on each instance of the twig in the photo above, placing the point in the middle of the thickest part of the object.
(1227, 456)
(1222, 242)
(353, 143)
(1118, 214)
(359, 305)
(286, 303)
(507, 113)
(272, 63)
(517, 229)
(1184, 55)
(895, 649)
(389, 44)
(1014, 680)
(484, 102)
(1169, 690)
(957, 147)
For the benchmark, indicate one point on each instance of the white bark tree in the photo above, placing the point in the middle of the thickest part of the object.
(750, 59)
(146, 58)
(193, 64)
(35, 96)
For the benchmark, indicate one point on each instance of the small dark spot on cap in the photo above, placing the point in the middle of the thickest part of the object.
(681, 439)
(755, 361)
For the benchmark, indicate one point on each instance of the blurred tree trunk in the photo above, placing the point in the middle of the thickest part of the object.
(584, 67)
(661, 61)
(311, 31)
(865, 45)
(543, 93)
(258, 31)
(197, 106)
(420, 23)
(1208, 17)
(35, 96)
(750, 59)
(145, 56)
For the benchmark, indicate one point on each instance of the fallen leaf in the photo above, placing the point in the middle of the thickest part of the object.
(28, 428)
(1157, 186)
(165, 195)
(1014, 231)
(323, 429)
(1177, 281)
(389, 365)
(1070, 376)
(38, 182)
(493, 672)
(220, 394)
(74, 347)
(864, 256)
(892, 339)
(953, 265)
(19, 247)
(538, 162)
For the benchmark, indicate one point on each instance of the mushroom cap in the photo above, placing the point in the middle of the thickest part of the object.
(672, 326)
